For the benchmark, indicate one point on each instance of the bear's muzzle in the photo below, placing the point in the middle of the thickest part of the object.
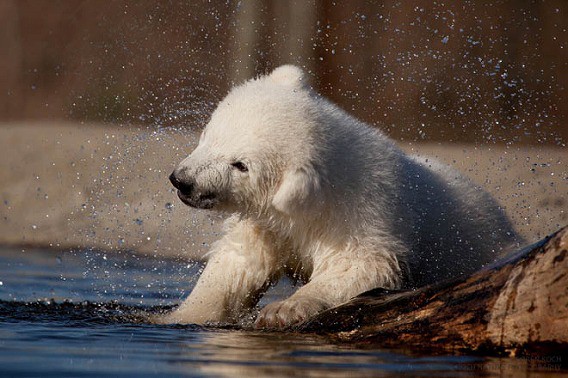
(187, 194)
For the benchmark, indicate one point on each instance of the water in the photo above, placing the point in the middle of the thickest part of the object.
(83, 314)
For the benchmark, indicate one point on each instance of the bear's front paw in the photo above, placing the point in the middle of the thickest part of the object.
(283, 314)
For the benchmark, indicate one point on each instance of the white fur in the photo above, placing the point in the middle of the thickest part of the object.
(327, 199)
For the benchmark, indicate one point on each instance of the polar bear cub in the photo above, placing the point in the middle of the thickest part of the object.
(320, 196)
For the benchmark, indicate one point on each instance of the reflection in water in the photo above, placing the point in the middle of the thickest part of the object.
(252, 354)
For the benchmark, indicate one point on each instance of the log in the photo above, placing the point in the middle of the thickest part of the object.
(516, 306)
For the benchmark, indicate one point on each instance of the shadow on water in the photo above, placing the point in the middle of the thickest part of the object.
(80, 314)
(97, 325)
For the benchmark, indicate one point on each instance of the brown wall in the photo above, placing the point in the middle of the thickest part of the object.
(481, 71)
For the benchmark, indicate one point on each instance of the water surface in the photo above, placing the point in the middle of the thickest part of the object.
(83, 314)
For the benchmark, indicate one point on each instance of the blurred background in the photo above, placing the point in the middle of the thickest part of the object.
(100, 99)
(458, 71)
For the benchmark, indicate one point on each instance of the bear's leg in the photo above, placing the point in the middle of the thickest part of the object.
(342, 277)
(240, 268)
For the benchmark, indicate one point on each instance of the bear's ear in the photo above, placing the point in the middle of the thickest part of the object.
(298, 189)
(288, 75)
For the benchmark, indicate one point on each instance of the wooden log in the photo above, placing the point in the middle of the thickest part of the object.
(517, 305)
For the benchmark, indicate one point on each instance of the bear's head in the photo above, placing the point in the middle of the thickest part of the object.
(256, 153)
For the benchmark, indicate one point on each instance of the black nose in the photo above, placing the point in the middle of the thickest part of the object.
(183, 186)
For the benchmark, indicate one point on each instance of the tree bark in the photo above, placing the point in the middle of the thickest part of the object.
(517, 305)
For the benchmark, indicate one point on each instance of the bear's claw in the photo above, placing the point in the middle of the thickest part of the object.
(288, 313)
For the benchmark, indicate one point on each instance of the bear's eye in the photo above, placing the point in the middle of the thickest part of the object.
(240, 166)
